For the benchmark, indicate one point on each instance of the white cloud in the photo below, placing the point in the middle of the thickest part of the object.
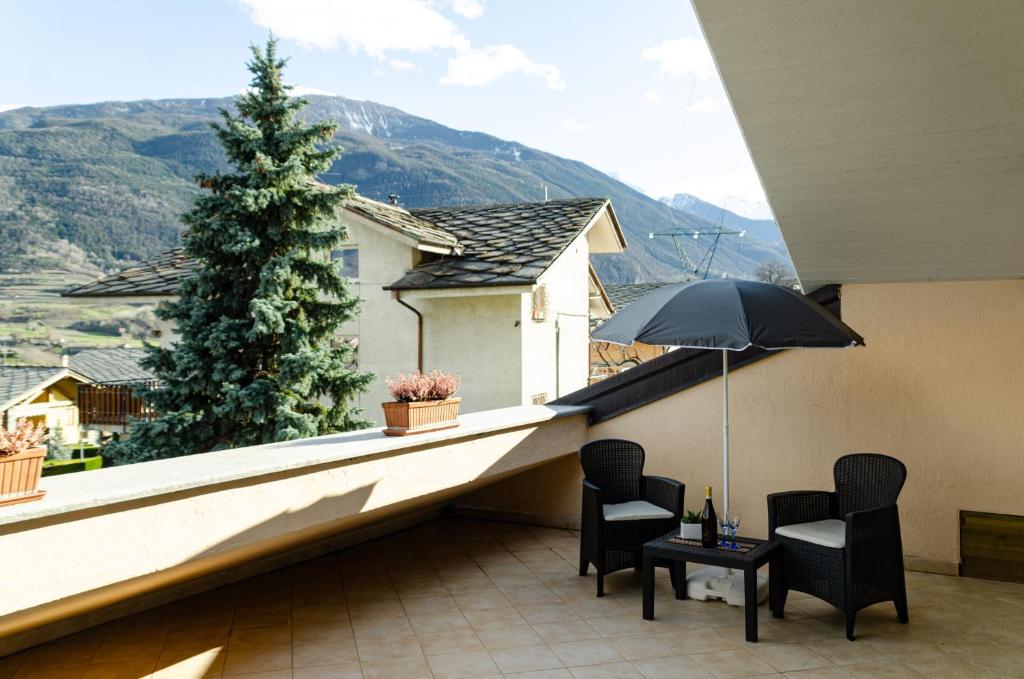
(574, 126)
(479, 66)
(382, 27)
(302, 90)
(374, 27)
(653, 97)
(9, 107)
(682, 56)
(704, 105)
(471, 9)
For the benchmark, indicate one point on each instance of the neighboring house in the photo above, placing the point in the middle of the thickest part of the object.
(46, 395)
(110, 401)
(608, 359)
(513, 283)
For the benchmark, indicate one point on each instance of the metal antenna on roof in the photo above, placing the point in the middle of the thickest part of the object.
(393, 198)
(545, 187)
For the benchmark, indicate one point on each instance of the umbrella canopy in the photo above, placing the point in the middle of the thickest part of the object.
(727, 314)
(730, 315)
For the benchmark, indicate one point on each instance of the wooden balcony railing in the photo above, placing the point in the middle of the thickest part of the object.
(112, 404)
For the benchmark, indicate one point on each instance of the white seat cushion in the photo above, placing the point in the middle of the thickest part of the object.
(827, 533)
(634, 511)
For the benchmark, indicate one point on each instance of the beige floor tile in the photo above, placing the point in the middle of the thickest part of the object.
(580, 653)
(329, 631)
(382, 648)
(820, 673)
(732, 664)
(788, 657)
(439, 622)
(526, 659)
(512, 636)
(263, 659)
(570, 630)
(494, 617)
(462, 665)
(196, 664)
(845, 652)
(620, 670)
(622, 625)
(343, 671)
(123, 669)
(673, 667)
(532, 595)
(316, 653)
(949, 667)
(257, 637)
(392, 668)
(543, 674)
(439, 643)
(381, 628)
(319, 613)
(483, 599)
(541, 613)
(888, 669)
(644, 646)
(429, 605)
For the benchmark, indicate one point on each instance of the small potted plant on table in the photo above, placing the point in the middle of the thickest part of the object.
(422, 403)
(689, 528)
(21, 462)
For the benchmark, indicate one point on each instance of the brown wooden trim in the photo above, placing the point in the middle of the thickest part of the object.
(672, 372)
(992, 546)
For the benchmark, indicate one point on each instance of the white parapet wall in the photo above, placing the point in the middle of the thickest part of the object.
(107, 536)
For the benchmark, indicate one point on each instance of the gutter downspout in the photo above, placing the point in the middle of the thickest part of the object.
(419, 329)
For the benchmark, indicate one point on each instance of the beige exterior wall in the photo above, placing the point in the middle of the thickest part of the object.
(386, 330)
(54, 407)
(84, 558)
(939, 386)
(478, 338)
(555, 352)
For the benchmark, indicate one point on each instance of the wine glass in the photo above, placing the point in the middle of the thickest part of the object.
(734, 526)
(724, 522)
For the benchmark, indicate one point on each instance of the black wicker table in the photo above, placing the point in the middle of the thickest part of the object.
(673, 552)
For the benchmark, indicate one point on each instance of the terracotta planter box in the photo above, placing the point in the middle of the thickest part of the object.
(417, 417)
(19, 476)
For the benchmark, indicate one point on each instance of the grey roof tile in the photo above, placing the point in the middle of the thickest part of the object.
(158, 276)
(514, 243)
(110, 365)
(17, 381)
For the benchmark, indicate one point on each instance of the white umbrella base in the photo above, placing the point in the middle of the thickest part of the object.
(714, 582)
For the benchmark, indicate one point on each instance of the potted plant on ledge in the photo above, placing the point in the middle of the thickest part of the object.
(21, 462)
(422, 403)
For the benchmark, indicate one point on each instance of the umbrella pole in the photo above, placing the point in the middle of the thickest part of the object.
(725, 430)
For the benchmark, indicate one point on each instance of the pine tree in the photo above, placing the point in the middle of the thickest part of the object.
(255, 361)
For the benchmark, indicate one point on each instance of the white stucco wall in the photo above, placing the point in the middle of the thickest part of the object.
(562, 368)
(386, 330)
(480, 338)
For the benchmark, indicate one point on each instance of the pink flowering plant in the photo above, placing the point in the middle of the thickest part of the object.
(21, 437)
(434, 386)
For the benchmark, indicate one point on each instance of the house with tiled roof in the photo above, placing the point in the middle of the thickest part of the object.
(515, 279)
(42, 394)
(607, 359)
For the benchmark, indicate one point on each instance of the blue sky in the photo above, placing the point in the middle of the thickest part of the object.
(627, 87)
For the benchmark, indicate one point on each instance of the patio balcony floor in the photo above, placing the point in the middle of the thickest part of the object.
(459, 598)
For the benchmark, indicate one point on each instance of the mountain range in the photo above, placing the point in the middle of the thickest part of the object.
(105, 184)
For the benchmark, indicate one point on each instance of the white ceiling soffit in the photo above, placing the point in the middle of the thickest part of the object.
(889, 135)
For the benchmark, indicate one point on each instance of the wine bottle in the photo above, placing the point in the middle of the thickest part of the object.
(708, 521)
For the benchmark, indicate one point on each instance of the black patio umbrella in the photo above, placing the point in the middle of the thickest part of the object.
(730, 315)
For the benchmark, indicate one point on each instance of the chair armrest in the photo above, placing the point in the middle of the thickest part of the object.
(663, 492)
(873, 541)
(593, 503)
(799, 506)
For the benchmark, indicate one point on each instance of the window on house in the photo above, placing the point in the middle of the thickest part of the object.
(347, 261)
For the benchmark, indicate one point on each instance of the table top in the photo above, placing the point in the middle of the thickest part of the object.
(670, 545)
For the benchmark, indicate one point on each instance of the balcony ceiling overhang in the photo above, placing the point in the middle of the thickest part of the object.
(889, 136)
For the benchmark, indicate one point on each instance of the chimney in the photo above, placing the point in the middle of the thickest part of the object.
(64, 360)
(393, 198)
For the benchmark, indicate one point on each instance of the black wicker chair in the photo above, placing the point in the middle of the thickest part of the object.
(622, 508)
(844, 546)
